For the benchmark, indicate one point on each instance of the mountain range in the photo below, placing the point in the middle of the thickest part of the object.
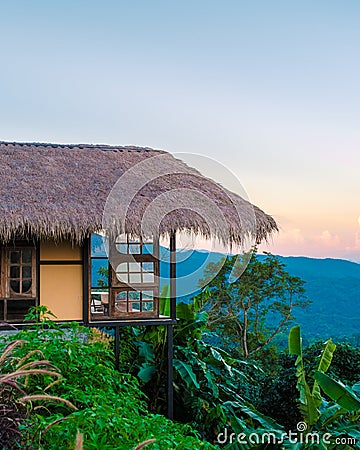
(332, 285)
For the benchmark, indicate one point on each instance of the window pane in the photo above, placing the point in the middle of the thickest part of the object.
(121, 296)
(148, 266)
(134, 307)
(147, 295)
(15, 286)
(14, 271)
(123, 267)
(26, 271)
(26, 255)
(134, 267)
(148, 249)
(121, 302)
(135, 278)
(148, 306)
(134, 249)
(99, 245)
(134, 295)
(14, 257)
(122, 248)
(26, 285)
(148, 277)
(123, 277)
(99, 272)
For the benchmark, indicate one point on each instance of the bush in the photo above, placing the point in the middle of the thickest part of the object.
(111, 411)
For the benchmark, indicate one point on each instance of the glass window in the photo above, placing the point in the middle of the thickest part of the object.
(18, 282)
(20, 271)
(132, 288)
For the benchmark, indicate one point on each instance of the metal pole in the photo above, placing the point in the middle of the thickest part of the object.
(170, 329)
(170, 386)
(117, 347)
(173, 276)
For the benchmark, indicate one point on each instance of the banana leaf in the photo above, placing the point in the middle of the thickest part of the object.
(295, 344)
(186, 373)
(324, 363)
(339, 393)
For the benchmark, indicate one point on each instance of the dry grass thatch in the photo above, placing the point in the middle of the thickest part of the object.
(62, 191)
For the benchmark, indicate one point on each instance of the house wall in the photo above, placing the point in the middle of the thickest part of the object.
(61, 279)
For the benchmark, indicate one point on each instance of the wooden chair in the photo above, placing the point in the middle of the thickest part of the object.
(105, 303)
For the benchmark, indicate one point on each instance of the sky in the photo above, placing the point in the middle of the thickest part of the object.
(268, 89)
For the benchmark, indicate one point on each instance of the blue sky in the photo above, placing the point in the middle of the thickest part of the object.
(268, 88)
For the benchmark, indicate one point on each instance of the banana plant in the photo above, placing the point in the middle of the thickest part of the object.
(310, 398)
(340, 416)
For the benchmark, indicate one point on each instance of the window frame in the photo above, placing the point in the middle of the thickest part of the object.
(114, 309)
(7, 296)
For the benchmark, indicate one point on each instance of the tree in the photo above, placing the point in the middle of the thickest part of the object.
(251, 311)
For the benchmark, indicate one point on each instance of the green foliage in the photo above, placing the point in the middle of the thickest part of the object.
(340, 417)
(339, 393)
(277, 393)
(16, 372)
(164, 301)
(111, 410)
(310, 399)
(345, 364)
(210, 386)
(40, 314)
(250, 312)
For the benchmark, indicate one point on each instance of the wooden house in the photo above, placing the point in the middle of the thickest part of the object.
(53, 198)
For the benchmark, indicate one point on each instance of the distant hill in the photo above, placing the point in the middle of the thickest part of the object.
(333, 285)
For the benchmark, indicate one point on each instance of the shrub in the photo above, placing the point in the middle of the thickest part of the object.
(111, 411)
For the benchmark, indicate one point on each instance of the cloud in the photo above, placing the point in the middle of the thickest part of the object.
(328, 239)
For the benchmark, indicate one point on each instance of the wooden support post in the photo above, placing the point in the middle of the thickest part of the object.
(86, 280)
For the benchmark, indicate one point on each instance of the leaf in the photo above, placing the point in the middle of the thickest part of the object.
(186, 373)
(185, 311)
(356, 388)
(210, 379)
(324, 364)
(339, 393)
(326, 356)
(295, 341)
(146, 351)
(193, 327)
(220, 360)
(164, 301)
(267, 422)
(146, 372)
(308, 402)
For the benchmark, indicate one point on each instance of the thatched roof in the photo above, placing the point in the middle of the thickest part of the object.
(61, 191)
